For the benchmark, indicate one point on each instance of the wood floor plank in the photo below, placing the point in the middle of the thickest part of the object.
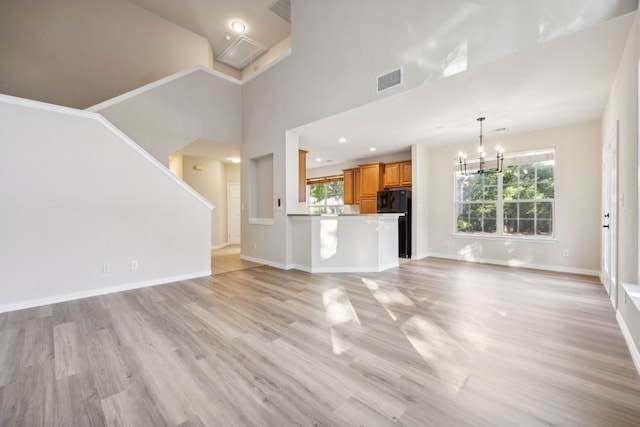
(431, 343)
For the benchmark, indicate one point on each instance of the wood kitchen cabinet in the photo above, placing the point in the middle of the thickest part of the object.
(351, 186)
(397, 174)
(405, 173)
(371, 181)
(302, 176)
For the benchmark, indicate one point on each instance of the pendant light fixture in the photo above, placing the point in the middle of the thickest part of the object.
(462, 157)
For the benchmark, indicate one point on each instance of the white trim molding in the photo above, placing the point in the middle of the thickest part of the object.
(555, 268)
(37, 302)
(633, 348)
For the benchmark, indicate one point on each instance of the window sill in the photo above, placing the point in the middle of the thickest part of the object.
(261, 221)
(523, 239)
(633, 292)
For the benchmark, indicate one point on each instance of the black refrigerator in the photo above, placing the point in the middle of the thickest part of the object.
(398, 200)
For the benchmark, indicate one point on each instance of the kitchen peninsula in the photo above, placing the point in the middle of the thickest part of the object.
(345, 243)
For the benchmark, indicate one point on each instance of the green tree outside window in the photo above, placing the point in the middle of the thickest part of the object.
(523, 196)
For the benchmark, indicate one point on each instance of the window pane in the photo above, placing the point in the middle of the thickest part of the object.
(543, 210)
(462, 221)
(334, 193)
(526, 226)
(544, 227)
(510, 183)
(545, 172)
(491, 192)
(527, 210)
(527, 187)
(490, 225)
(475, 188)
(316, 194)
(490, 179)
(545, 190)
(510, 210)
(510, 226)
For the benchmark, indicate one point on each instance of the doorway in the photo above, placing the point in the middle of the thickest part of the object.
(610, 216)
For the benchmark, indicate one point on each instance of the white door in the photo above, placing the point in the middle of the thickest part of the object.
(610, 216)
(233, 208)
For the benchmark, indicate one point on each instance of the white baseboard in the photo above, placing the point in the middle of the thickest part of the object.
(223, 245)
(415, 257)
(558, 269)
(308, 269)
(264, 261)
(633, 348)
(54, 299)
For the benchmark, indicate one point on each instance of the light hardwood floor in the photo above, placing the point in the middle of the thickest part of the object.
(227, 259)
(431, 343)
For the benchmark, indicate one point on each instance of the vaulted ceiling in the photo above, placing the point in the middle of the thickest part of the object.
(79, 53)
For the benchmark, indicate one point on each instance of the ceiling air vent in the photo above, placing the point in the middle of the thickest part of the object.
(241, 52)
(391, 79)
(282, 8)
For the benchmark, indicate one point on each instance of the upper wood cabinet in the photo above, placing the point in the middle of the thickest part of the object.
(371, 181)
(351, 186)
(405, 173)
(356, 185)
(397, 174)
(302, 176)
(392, 175)
(371, 176)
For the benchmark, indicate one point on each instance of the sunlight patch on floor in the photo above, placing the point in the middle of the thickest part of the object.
(340, 314)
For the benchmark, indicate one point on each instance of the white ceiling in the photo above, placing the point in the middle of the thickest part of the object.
(560, 82)
(212, 20)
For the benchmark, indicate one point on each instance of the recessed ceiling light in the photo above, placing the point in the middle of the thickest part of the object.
(234, 159)
(342, 140)
(372, 149)
(238, 27)
(318, 159)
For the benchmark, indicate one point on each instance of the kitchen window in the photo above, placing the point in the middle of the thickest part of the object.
(325, 195)
(516, 203)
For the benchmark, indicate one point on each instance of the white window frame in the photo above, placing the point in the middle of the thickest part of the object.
(539, 155)
(325, 206)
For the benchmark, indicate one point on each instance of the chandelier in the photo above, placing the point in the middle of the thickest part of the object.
(462, 158)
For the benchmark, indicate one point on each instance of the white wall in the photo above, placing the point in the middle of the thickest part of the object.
(167, 115)
(78, 53)
(420, 202)
(336, 72)
(232, 172)
(266, 114)
(623, 106)
(208, 177)
(577, 206)
(77, 194)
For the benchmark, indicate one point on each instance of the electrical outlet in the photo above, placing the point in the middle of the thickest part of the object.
(106, 268)
(565, 252)
(134, 264)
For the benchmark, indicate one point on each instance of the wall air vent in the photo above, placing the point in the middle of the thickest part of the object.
(282, 8)
(241, 52)
(389, 80)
